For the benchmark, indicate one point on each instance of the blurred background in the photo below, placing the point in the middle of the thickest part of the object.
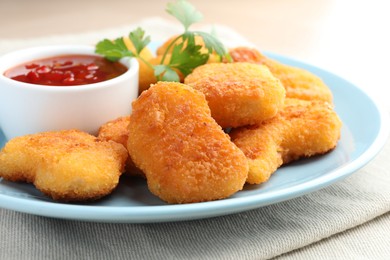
(347, 37)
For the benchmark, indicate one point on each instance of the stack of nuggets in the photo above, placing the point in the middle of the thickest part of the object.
(268, 127)
(176, 135)
(184, 153)
(306, 126)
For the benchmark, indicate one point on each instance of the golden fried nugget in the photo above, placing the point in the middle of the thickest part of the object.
(183, 152)
(238, 93)
(117, 131)
(66, 165)
(302, 129)
(299, 83)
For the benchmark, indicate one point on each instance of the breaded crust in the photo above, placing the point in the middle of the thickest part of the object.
(299, 83)
(117, 130)
(301, 129)
(184, 153)
(67, 165)
(238, 93)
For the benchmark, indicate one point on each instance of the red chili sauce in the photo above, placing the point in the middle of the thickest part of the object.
(69, 70)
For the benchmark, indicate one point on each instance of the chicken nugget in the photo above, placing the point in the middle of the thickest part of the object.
(301, 129)
(299, 83)
(66, 165)
(184, 153)
(238, 93)
(117, 130)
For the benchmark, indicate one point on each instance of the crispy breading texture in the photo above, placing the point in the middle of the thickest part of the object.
(301, 129)
(117, 130)
(67, 165)
(238, 93)
(299, 83)
(183, 152)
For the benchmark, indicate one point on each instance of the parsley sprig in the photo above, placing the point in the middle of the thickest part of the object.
(185, 54)
(117, 49)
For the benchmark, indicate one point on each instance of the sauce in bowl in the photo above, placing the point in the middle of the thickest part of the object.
(67, 70)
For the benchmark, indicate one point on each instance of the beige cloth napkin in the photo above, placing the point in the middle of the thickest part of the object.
(323, 224)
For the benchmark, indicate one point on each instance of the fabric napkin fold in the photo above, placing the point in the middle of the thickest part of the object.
(257, 234)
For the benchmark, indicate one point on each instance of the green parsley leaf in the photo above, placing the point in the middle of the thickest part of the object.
(184, 12)
(137, 37)
(212, 43)
(170, 75)
(188, 37)
(166, 73)
(188, 58)
(113, 50)
(159, 70)
(184, 57)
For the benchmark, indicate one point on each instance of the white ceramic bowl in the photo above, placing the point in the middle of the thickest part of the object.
(28, 108)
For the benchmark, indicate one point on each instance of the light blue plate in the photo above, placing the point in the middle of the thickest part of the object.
(364, 132)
